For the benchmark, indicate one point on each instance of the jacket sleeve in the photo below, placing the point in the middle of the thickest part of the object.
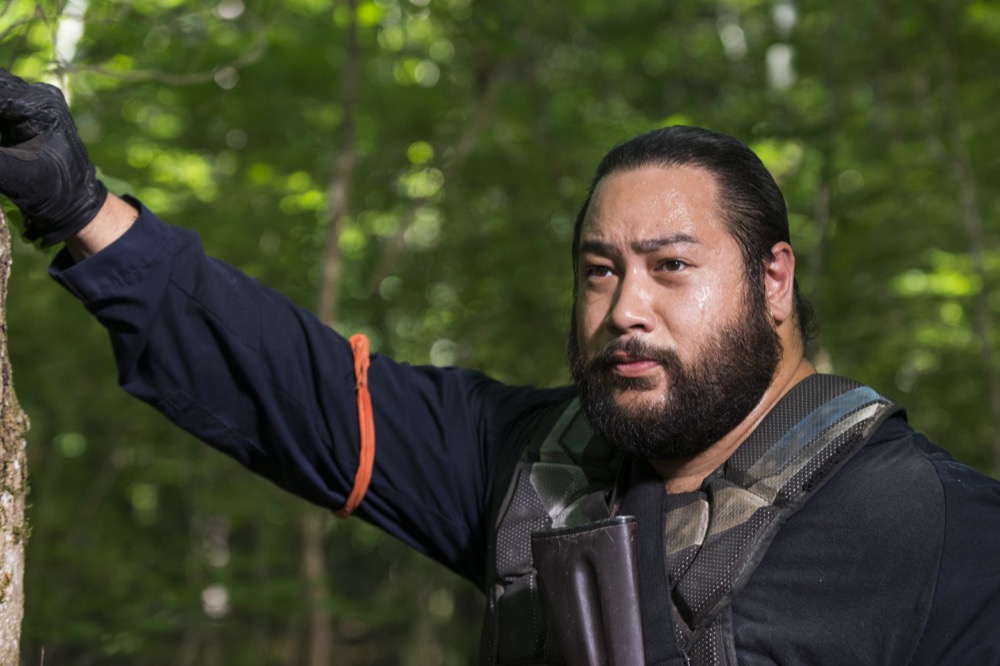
(253, 375)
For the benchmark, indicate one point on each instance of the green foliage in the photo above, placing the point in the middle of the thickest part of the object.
(479, 127)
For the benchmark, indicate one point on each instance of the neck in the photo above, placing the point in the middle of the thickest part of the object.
(688, 474)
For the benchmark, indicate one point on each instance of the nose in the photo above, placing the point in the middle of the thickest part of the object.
(631, 310)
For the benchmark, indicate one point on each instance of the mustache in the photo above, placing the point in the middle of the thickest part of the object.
(634, 348)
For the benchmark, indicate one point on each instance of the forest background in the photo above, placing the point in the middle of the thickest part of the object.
(445, 146)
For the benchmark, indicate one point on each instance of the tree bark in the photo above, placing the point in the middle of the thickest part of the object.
(13, 483)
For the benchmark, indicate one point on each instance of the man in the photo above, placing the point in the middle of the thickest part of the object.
(780, 516)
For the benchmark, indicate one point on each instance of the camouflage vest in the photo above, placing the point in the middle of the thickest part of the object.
(714, 540)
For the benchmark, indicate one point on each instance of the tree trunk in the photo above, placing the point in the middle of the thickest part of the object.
(13, 483)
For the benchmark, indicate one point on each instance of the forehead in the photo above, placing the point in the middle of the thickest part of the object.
(654, 201)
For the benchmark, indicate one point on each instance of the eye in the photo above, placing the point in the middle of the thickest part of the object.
(597, 271)
(672, 265)
(594, 271)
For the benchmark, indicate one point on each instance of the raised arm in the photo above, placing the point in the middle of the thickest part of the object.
(242, 367)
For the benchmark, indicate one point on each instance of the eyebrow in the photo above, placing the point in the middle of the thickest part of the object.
(641, 246)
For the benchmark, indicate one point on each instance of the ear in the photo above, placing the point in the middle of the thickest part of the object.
(779, 282)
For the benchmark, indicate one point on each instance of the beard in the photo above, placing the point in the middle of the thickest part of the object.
(702, 402)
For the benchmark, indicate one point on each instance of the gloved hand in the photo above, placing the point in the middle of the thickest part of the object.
(44, 168)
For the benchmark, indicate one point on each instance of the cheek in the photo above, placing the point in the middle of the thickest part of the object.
(687, 323)
(698, 308)
(714, 300)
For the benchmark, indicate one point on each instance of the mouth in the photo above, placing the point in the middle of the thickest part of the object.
(627, 365)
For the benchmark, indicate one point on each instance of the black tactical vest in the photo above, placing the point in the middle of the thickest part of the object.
(713, 539)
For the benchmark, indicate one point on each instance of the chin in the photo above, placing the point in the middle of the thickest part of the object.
(639, 401)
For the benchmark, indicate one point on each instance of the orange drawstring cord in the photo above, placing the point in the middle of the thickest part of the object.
(366, 420)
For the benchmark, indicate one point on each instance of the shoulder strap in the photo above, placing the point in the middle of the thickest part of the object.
(820, 425)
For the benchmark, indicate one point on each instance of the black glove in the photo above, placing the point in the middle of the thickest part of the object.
(44, 168)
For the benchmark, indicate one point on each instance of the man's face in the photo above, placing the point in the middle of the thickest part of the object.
(671, 347)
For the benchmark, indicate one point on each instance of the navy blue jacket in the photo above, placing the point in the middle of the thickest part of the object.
(243, 368)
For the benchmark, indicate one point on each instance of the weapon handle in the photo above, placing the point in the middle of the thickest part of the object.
(590, 580)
